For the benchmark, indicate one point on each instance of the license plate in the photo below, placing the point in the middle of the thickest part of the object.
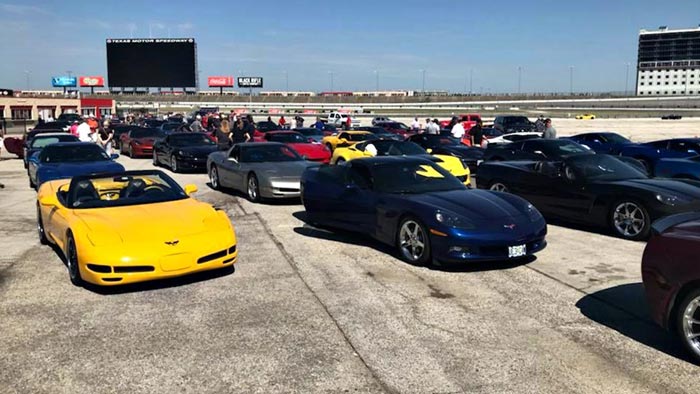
(517, 251)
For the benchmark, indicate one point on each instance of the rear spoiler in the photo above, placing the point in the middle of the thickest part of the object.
(663, 224)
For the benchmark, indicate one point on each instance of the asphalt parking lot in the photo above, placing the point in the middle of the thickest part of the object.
(308, 310)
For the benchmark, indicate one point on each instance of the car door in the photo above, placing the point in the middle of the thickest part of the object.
(564, 194)
(230, 174)
(532, 150)
(55, 220)
(682, 149)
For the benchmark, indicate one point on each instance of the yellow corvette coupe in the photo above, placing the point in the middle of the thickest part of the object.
(585, 117)
(346, 138)
(132, 226)
(381, 147)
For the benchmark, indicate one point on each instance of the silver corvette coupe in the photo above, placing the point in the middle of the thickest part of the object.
(258, 169)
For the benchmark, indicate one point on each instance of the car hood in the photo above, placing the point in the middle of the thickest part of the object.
(61, 170)
(310, 150)
(149, 223)
(464, 152)
(144, 141)
(480, 206)
(686, 188)
(198, 151)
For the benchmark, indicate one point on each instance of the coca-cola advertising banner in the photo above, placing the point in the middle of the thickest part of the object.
(220, 82)
(91, 82)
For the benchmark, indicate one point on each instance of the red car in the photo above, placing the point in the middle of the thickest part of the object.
(305, 146)
(468, 121)
(139, 142)
(396, 128)
(671, 276)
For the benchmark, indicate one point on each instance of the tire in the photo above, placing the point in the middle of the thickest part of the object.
(498, 186)
(40, 227)
(173, 164)
(647, 165)
(413, 241)
(155, 158)
(214, 178)
(32, 184)
(330, 147)
(72, 261)
(131, 151)
(630, 220)
(253, 188)
(340, 161)
(689, 309)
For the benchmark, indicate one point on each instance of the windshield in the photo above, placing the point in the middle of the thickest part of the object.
(40, 142)
(516, 120)
(395, 125)
(73, 153)
(292, 138)
(393, 148)
(413, 178)
(561, 148)
(603, 168)
(614, 138)
(358, 136)
(439, 140)
(309, 132)
(187, 139)
(146, 133)
(268, 153)
(104, 192)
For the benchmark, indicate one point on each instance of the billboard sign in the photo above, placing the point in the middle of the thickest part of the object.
(91, 82)
(220, 82)
(7, 92)
(64, 82)
(250, 82)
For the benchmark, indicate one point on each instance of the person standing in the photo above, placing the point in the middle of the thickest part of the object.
(249, 126)
(105, 136)
(74, 128)
(239, 134)
(223, 135)
(476, 134)
(457, 130)
(319, 125)
(415, 126)
(549, 131)
(84, 132)
(196, 126)
(300, 121)
(283, 122)
(539, 125)
(348, 123)
(433, 127)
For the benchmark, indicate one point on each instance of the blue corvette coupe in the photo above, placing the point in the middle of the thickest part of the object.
(684, 168)
(69, 159)
(420, 208)
(602, 142)
(651, 152)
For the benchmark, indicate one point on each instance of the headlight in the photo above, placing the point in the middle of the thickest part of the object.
(453, 220)
(669, 199)
(533, 214)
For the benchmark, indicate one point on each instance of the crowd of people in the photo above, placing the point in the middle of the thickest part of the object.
(90, 130)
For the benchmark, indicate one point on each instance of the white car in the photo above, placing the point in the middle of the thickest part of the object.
(380, 119)
(512, 137)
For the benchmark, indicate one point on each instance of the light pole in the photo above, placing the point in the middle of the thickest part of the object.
(571, 80)
(376, 77)
(471, 80)
(627, 76)
(520, 72)
(423, 86)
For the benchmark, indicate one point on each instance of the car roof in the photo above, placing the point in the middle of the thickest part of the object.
(52, 134)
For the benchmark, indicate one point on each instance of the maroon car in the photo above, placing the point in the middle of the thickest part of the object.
(671, 276)
(139, 142)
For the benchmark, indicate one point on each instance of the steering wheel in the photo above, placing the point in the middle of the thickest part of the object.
(154, 188)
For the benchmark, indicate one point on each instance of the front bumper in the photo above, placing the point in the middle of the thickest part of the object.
(192, 163)
(281, 189)
(142, 150)
(483, 246)
(149, 266)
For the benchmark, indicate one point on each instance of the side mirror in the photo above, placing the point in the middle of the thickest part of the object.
(114, 156)
(191, 189)
(49, 200)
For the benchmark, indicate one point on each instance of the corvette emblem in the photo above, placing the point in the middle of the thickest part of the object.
(172, 243)
(509, 226)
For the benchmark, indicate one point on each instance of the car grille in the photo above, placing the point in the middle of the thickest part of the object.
(135, 268)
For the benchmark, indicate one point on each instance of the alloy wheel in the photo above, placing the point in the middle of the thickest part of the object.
(629, 219)
(689, 323)
(40, 227)
(499, 187)
(253, 192)
(214, 177)
(72, 261)
(412, 241)
(155, 158)
(173, 163)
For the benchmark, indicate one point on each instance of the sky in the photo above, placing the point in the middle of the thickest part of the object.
(456, 44)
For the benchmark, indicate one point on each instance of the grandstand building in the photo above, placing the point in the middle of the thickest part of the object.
(668, 62)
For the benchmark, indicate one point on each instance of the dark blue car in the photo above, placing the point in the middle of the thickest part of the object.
(69, 159)
(417, 206)
(602, 142)
(683, 168)
(651, 152)
(39, 141)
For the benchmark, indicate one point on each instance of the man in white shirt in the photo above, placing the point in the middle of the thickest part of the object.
(416, 125)
(458, 130)
(84, 132)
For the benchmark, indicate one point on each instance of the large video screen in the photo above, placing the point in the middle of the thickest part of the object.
(151, 62)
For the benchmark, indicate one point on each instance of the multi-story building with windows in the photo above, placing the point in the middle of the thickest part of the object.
(668, 62)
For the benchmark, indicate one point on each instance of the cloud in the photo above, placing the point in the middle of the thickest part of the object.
(19, 9)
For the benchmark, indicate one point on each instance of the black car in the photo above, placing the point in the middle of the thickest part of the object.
(671, 117)
(380, 132)
(266, 126)
(535, 149)
(513, 124)
(183, 151)
(39, 141)
(174, 127)
(57, 125)
(152, 123)
(446, 145)
(599, 190)
(70, 118)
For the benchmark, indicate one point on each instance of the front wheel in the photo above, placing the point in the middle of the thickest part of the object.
(498, 187)
(340, 161)
(155, 158)
(72, 261)
(413, 242)
(40, 227)
(214, 178)
(688, 323)
(253, 188)
(131, 151)
(630, 220)
(173, 163)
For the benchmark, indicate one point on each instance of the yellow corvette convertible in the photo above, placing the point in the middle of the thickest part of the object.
(382, 147)
(131, 227)
(346, 138)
